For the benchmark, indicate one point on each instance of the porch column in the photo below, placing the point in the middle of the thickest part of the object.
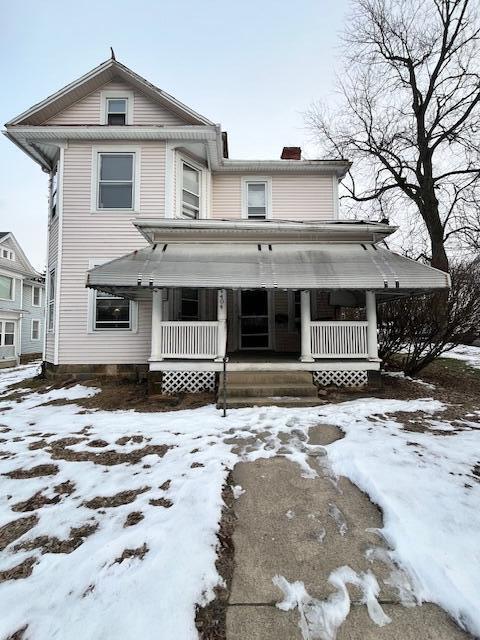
(157, 317)
(305, 319)
(222, 324)
(371, 307)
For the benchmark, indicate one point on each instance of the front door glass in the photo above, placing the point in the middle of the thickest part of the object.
(254, 325)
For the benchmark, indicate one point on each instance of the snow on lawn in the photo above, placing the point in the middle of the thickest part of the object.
(115, 533)
(467, 353)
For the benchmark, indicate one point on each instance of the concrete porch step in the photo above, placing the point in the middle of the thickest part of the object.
(267, 377)
(277, 401)
(270, 390)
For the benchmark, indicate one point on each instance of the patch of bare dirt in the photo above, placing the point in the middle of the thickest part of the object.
(22, 570)
(196, 465)
(139, 552)
(37, 501)
(126, 439)
(98, 443)
(165, 486)
(34, 472)
(133, 518)
(161, 502)
(51, 544)
(15, 529)
(124, 497)
(109, 457)
(38, 444)
(65, 488)
(211, 619)
(19, 634)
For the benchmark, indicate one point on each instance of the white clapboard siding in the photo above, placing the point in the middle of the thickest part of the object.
(341, 339)
(88, 110)
(189, 339)
(294, 196)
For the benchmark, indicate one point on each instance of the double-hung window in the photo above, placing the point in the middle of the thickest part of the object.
(256, 199)
(191, 186)
(51, 300)
(115, 180)
(7, 334)
(6, 288)
(190, 304)
(111, 312)
(117, 111)
(36, 296)
(35, 330)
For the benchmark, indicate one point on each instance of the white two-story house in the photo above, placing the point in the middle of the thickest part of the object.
(22, 304)
(167, 256)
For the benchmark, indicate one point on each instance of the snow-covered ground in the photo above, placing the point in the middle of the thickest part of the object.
(167, 469)
(467, 353)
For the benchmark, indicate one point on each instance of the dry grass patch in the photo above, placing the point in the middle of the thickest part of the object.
(133, 518)
(108, 458)
(37, 501)
(16, 529)
(51, 544)
(161, 502)
(34, 472)
(22, 570)
(139, 552)
(98, 443)
(117, 500)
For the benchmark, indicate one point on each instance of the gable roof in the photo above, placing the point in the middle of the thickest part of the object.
(92, 81)
(19, 253)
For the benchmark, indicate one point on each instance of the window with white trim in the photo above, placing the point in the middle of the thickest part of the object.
(256, 198)
(116, 180)
(51, 300)
(116, 110)
(190, 304)
(7, 334)
(111, 312)
(8, 254)
(36, 296)
(6, 288)
(35, 330)
(191, 190)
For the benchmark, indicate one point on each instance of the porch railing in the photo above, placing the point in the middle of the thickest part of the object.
(189, 339)
(342, 339)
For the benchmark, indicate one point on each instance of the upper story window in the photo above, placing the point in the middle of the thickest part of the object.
(36, 296)
(117, 111)
(51, 300)
(115, 180)
(116, 107)
(6, 288)
(191, 185)
(8, 254)
(256, 198)
(53, 194)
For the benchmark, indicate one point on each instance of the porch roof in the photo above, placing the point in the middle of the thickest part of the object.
(264, 266)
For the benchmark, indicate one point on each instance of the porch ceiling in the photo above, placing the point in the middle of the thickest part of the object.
(254, 266)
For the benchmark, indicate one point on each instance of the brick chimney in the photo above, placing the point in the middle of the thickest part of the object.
(291, 153)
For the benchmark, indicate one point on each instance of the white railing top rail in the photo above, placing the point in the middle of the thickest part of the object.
(340, 323)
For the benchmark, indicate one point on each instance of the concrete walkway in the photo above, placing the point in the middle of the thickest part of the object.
(303, 529)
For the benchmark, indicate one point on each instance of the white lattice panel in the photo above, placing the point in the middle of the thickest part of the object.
(192, 381)
(340, 378)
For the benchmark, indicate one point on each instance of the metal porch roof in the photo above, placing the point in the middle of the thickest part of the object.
(253, 266)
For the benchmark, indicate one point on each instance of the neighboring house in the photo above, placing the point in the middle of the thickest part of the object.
(22, 304)
(211, 256)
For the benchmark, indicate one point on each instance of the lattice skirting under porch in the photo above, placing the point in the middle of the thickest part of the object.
(192, 381)
(340, 378)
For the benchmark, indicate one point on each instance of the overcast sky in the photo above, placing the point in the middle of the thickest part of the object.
(253, 66)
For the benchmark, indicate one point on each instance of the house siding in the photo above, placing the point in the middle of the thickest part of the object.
(294, 196)
(88, 109)
(32, 313)
(104, 235)
(53, 246)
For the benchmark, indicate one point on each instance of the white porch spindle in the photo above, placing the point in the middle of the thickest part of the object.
(372, 325)
(157, 317)
(222, 323)
(305, 319)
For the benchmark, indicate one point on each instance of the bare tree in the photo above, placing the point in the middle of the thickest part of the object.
(409, 114)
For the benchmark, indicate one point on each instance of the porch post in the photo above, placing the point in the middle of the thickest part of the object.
(305, 319)
(222, 324)
(157, 316)
(371, 307)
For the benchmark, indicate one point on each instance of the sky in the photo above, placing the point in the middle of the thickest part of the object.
(253, 66)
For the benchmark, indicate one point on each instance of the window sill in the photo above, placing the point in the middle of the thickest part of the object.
(132, 212)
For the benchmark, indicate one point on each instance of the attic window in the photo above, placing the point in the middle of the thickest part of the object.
(8, 254)
(116, 111)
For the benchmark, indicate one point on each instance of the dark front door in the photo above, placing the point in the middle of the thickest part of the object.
(254, 320)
